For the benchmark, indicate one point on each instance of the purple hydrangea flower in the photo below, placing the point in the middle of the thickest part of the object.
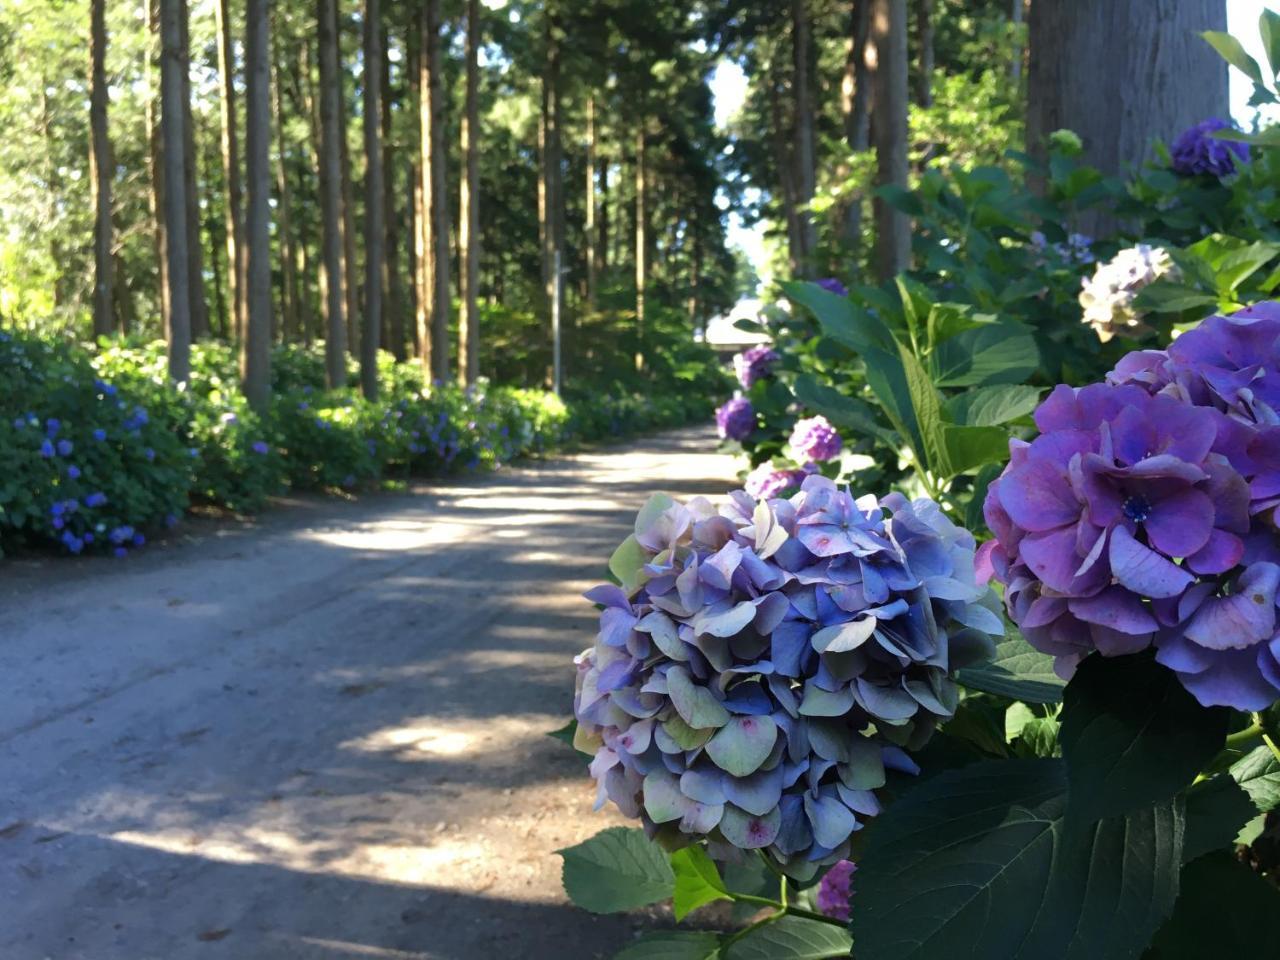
(832, 285)
(261, 447)
(95, 500)
(735, 419)
(768, 660)
(46, 449)
(815, 439)
(52, 426)
(1198, 151)
(64, 448)
(99, 435)
(1132, 520)
(73, 472)
(835, 888)
(754, 364)
(766, 481)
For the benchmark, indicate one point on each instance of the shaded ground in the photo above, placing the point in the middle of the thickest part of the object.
(322, 736)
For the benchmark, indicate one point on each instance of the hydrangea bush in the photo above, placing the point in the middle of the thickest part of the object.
(1108, 296)
(771, 660)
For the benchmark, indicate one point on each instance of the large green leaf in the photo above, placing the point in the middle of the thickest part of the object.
(1169, 296)
(673, 945)
(1132, 735)
(992, 406)
(841, 317)
(697, 881)
(971, 447)
(1269, 28)
(848, 412)
(792, 938)
(617, 869)
(980, 862)
(1017, 671)
(1224, 910)
(1232, 51)
(1258, 773)
(1217, 810)
(991, 353)
(928, 412)
(888, 381)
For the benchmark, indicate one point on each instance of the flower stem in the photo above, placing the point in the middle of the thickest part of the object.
(1251, 732)
(1266, 736)
(787, 908)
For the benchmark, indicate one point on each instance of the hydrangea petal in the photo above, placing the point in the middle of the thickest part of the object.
(743, 744)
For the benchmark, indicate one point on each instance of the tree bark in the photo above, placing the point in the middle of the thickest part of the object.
(231, 168)
(889, 133)
(395, 297)
(172, 88)
(435, 201)
(782, 159)
(924, 81)
(374, 225)
(806, 173)
(855, 99)
(642, 243)
(100, 173)
(551, 194)
(1016, 8)
(602, 176)
(297, 320)
(195, 252)
(256, 348)
(1123, 101)
(155, 162)
(350, 262)
(589, 228)
(331, 197)
(469, 211)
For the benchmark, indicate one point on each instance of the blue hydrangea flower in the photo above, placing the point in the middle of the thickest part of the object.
(833, 285)
(65, 447)
(46, 449)
(1198, 151)
(815, 439)
(95, 500)
(99, 434)
(73, 472)
(735, 419)
(771, 660)
(261, 447)
(754, 364)
(52, 426)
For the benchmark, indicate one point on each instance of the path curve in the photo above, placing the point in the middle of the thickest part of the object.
(321, 737)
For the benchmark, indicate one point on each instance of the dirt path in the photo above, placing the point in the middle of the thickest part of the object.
(321, 737)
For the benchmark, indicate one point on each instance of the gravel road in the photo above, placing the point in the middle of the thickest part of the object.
(319, 736)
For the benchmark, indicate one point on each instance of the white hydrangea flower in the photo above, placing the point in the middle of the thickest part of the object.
(1107, 297)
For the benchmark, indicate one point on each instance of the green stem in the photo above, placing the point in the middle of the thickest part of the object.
(1251, 732)
(787, 908)
(1266, 736)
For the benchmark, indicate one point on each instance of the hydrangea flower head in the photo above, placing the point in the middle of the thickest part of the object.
(768, 660)
(835, 889)
(1198, 151)
(767, 481)
(832, 285)
(1107, 297)
(754, 364)
(1140, 517)
(815, 439)
(735, 419)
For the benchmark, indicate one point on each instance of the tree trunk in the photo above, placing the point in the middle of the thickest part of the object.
(602, 176)
(469, 211)
(589, 229)
(435, 201)
(642, 244)
(155, 162)
(418, 220)
(924, 80)
(335, 347)
(550, 194)
(350, 262)
(256, 348)
(855, 99)
(100, 171)
(395, 298)
(1015, 65)
(1122, 102)
(889, 133)
(297, 319)
(231, 168)
(172, 87)
(374, 225)
(195, 252)
(806, 174)
(782, 160)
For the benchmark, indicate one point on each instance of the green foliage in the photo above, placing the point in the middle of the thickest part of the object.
(791, 938)
(617, 869)
(697, 881)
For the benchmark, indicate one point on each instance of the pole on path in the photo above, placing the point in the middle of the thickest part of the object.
(555, 325)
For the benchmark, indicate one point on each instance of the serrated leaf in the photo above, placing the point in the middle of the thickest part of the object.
(792, 938)
(1223, 910)
(673, 945)
(1018, 671)
(1258, 773)
(1132, 735)
(848, 412)
(841, 317)
(1167, 296)
(980, 862)
(992, 406)
(1217, 810)
(618, 869)
(927, 406)
(697, 881)
(888, 381)
(989, 354)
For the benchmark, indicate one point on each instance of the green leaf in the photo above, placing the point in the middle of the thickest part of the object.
(697, 881)
(973, 515)
(992, 406)
(627, 564)
(1132, 735)
(979, 720)
(1258, 773)
(848, 412)
(1224, 910)
(971, 447)
(980, 862)
(1017, 671)
(991, 353)
(673, 945)
(928, 412)
(841, 317)
(1217, 810)
(618, 869)
(1167, 296)
(888, 381)
(1232, 51)
(1239, 265)
(1269, 28)
(565, 733)
(792, 938)
(1038, 738)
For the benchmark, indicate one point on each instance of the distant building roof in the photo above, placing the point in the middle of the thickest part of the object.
(721, 334)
